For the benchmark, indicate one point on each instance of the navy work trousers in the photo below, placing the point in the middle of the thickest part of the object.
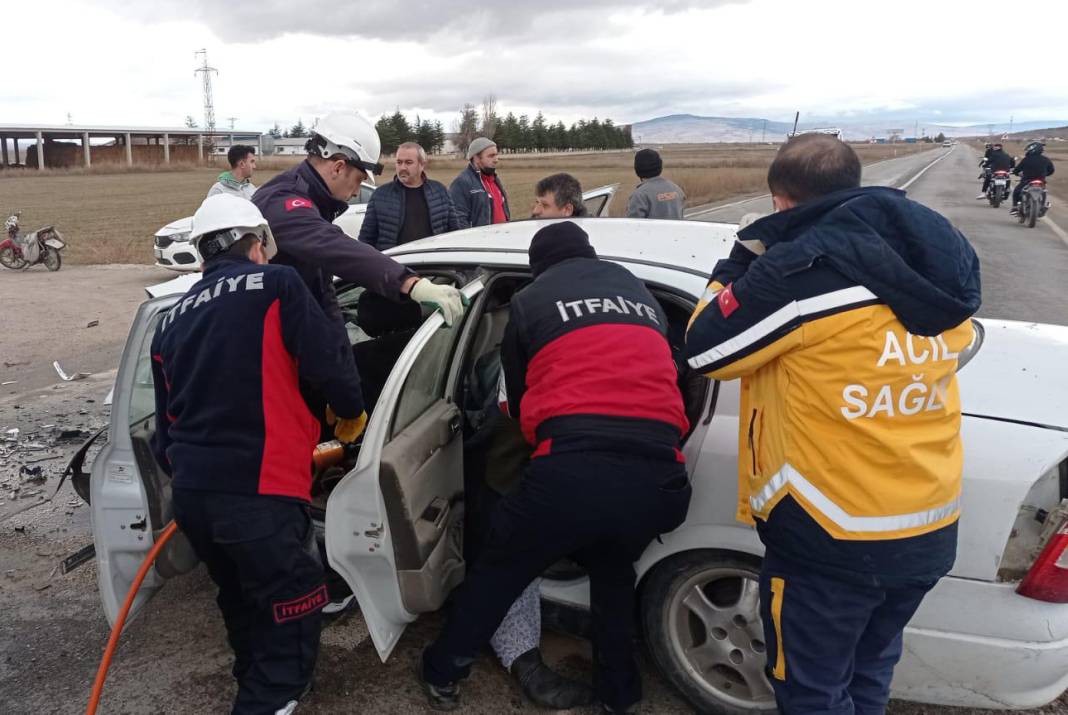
(260, 551)
(602, 510)
(832, 644)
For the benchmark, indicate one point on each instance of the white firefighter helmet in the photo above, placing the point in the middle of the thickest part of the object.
(223, 220)
(350, 134)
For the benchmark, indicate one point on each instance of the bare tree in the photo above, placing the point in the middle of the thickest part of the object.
(466, 127)
(489, 115)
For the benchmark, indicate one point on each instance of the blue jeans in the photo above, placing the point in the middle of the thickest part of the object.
(832, 644)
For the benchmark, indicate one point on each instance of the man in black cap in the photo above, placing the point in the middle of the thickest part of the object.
(606, 475)
(655, 196)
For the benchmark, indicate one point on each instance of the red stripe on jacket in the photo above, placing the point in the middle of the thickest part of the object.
(617, 370)
(290, 429)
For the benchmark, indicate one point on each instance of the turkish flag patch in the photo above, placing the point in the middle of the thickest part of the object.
(299, 203)
(727, 302)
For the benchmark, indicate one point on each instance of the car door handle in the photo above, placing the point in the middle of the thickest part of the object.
(454, 425)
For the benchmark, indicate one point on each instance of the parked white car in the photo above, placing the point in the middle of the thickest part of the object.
(393, 522)
(173, 250)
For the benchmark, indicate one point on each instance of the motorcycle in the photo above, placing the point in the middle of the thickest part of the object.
(1033, 203)
(41, 246)
(998, 189)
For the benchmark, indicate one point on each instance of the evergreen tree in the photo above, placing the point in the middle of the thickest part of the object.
(387, 135)
(526, 134)
(539, 133)
(298, 129)
(274, 131)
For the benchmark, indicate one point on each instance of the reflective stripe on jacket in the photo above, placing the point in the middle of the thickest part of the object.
(843, 407)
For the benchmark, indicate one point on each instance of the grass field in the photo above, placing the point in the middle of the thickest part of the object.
(109, 216)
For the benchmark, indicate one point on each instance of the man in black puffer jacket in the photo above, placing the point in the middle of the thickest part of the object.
(410, 207)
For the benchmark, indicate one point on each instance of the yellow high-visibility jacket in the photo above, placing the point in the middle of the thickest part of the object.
(842, 408)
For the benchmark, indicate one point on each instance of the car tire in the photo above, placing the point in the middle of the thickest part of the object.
(701, 620)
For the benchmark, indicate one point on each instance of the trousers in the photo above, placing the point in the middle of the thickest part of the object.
(260, 551)
(600, 509)
(832, 643)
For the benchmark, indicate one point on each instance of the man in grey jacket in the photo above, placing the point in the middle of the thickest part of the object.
(237, 181)
(655, 196)
(477, 192)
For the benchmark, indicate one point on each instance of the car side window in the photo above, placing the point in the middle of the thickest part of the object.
(143, 396)
(595, 204)
(425, 383)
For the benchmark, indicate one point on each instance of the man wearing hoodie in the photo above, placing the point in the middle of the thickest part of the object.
(237, 181)
(844, 314)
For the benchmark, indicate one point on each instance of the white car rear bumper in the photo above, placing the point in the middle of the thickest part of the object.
(979, 644)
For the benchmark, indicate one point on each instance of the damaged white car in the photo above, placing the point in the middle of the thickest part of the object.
(993, 634)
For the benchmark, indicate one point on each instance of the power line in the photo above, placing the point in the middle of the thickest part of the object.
(231, 120)
(209, 107)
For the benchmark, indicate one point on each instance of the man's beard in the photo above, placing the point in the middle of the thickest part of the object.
(489, 170)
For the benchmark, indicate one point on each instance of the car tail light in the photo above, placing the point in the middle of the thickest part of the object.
(1047, 580)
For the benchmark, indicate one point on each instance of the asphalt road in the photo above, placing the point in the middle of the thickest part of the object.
(1023, 269)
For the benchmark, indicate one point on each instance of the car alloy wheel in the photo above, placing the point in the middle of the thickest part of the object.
(701, 612)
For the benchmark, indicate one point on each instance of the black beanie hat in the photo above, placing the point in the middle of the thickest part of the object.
(647, 164)
(558, 242)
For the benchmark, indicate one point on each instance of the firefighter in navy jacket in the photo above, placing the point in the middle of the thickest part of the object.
(844, 314)
(301, 204)
(237, 437)
(588, 372)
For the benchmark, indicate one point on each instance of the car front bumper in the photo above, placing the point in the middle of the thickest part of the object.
(980, 644)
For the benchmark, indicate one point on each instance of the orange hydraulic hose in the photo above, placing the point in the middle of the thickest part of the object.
(116, 630)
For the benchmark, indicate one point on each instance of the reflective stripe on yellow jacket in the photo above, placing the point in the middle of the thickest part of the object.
(841, 407)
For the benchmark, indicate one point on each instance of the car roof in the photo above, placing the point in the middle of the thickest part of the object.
(653, 246)
(689, 246)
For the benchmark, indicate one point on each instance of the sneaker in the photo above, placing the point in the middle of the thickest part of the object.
(629, 710)
(339, 607)
(545, 687)
(441, 698)
(1013, 211)
(980, 197)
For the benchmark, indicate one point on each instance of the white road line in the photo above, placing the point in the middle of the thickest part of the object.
(924, 169)
(702, 212)
(1061, 234)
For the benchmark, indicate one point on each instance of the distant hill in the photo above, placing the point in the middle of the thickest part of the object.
(692, 129)
(1048, 133)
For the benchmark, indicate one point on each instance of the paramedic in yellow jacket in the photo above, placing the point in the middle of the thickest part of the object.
(844, 313)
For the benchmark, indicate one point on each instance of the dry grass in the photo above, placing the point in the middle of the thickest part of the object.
(108, 214)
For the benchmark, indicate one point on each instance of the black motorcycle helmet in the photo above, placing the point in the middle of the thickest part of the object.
(1035, 148)
(988, 145)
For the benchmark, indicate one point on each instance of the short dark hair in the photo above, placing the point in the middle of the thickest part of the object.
(565, 189)
(812, 165)
(238, 152)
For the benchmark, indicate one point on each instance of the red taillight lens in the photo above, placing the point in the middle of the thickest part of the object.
(1048, 578)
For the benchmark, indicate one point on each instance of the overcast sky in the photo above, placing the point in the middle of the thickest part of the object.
(119, 62)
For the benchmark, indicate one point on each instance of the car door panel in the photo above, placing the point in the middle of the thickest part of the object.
(130, 495)
(394, 523)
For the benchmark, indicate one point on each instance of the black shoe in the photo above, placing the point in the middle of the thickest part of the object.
(441, 698)
(544, 687)
(1013, 211)
(630, 710)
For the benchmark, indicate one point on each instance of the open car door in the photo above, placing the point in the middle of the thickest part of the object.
(598, 200)
(130, 496)
(394, 524)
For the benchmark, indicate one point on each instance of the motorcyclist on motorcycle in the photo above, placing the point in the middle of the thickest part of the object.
(996, 159)
(1033, 166)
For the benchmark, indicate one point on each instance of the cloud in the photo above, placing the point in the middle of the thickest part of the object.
(244, 20)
